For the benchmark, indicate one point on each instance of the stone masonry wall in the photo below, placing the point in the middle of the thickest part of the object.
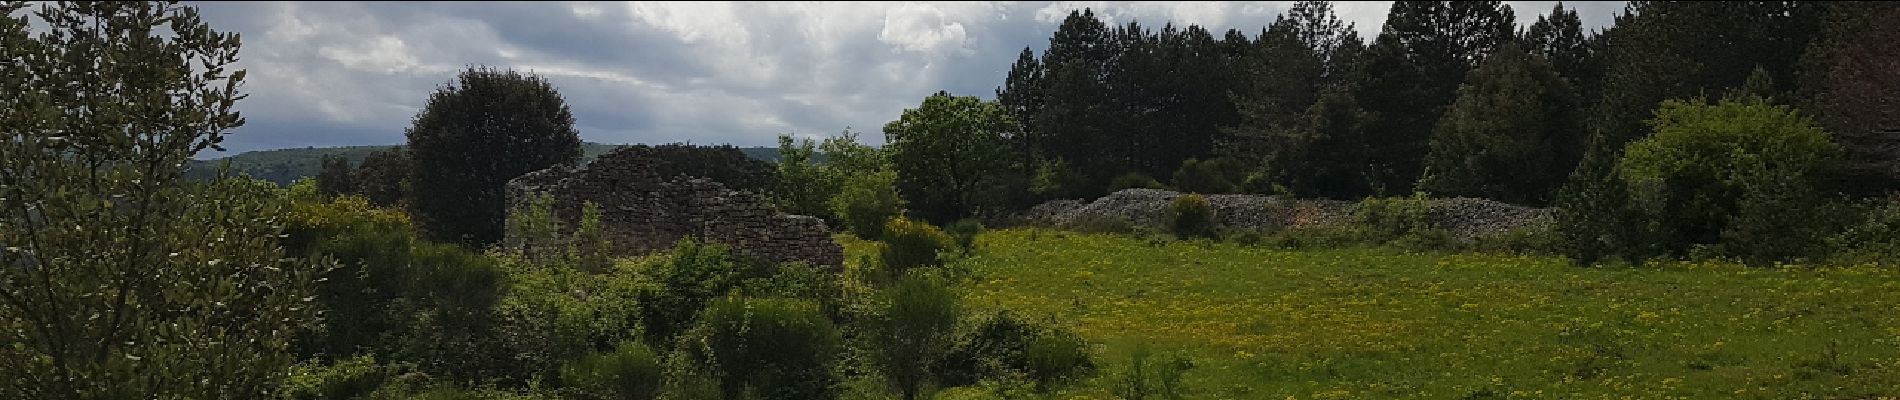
(643, 212)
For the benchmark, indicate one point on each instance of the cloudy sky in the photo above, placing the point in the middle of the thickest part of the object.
(347, 73)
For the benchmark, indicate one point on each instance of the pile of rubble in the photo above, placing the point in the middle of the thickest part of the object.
(643, 211)
(1461, 217)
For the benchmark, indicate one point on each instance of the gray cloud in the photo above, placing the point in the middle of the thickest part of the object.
(342, 73)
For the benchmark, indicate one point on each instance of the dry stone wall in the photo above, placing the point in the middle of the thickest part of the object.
(643, 212)
(1465, 218)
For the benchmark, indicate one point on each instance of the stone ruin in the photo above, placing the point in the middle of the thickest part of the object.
(644, 212)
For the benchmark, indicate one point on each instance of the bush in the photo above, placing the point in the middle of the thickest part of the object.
(352, 378)
(964, 232)
(867, 202)
(1144, 380)
(1389, 219)
(1190, 216)
(1875, 240)
(769, 348)
(1321, 237)
(995, 347)
(692, 274)
(910, 244)
(1055, 357)
(1738, 176)
(1134, 180)
(1219, 175)
(915, 332)
(631, 371)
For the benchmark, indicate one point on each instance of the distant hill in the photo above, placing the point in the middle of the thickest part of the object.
(284, 166)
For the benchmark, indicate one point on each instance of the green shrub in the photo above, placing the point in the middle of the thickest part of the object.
(1876, 239)
(1190, 217)
(915, 331)
(996, 347)
(1536, 239)
(964, 232)
(1737, 176)
(351, 378)
(1389, 219)
(769, 348)
(1219, 175)
(1321, 237)
(692, 274)
(1145, 379)
(1056, 357)
(867, 202)
(910, 244)
(1134, 180)
(630, 372)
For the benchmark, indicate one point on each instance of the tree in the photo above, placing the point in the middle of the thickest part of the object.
(946, 150)
(1854, 90)
(1710, 173)
(804, 187)
(383, 177)
(1514, 134)
(775, 349)
(1560, 39)
(1669, 50)
(336, 177)
(1391, 90)
(1413, 72)
(866, 202)
(474, 135)
(118, 277)
(915, 332)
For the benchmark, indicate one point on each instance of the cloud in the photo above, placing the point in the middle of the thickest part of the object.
(342, 73)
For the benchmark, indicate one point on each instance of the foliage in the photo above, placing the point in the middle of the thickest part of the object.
(946, 151)
(336, 177)
(723, 163)
(1056, 357)
(630, 372)
(383, 177)
(1056, 180)
(352, 378)
(453, 332)
(1719, 171)
(915, 332)
(120, 278)
(910, 244)
(1513, 134)
(1215, 176)
(1395, 217)
(805, 187)
(1876, 239)
(964, 232)
(1843, 72)
(1142, 380)
(769, 348)
(1189, 216)
(1134, 180)
(693, 274)
(534, 232)
(868, 201)
(589, 247)
(471, 137)
(1594, 217)
(998, 346)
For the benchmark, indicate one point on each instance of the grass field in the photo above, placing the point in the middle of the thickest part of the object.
(1263, 323)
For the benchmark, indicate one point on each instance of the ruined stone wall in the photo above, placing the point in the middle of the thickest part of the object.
(643, 211)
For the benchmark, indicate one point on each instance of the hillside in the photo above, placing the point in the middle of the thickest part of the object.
(284, 166)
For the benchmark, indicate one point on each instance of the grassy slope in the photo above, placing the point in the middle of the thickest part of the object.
(1269, 324)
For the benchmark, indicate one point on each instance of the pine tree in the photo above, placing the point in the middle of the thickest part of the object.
(1513, 135)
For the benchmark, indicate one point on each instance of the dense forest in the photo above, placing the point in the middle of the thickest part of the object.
(1741, 135)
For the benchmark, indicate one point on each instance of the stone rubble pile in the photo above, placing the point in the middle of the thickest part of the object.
(643, 212)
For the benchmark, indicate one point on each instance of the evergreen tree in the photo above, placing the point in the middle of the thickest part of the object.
(1513, 135)
(1559, 38)
(335, 177)
(474, 135)
(1853, 89)
(383, 177)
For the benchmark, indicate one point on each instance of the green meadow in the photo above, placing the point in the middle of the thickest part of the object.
(1266, 323)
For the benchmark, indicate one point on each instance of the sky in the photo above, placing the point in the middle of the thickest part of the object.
(356, 73)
